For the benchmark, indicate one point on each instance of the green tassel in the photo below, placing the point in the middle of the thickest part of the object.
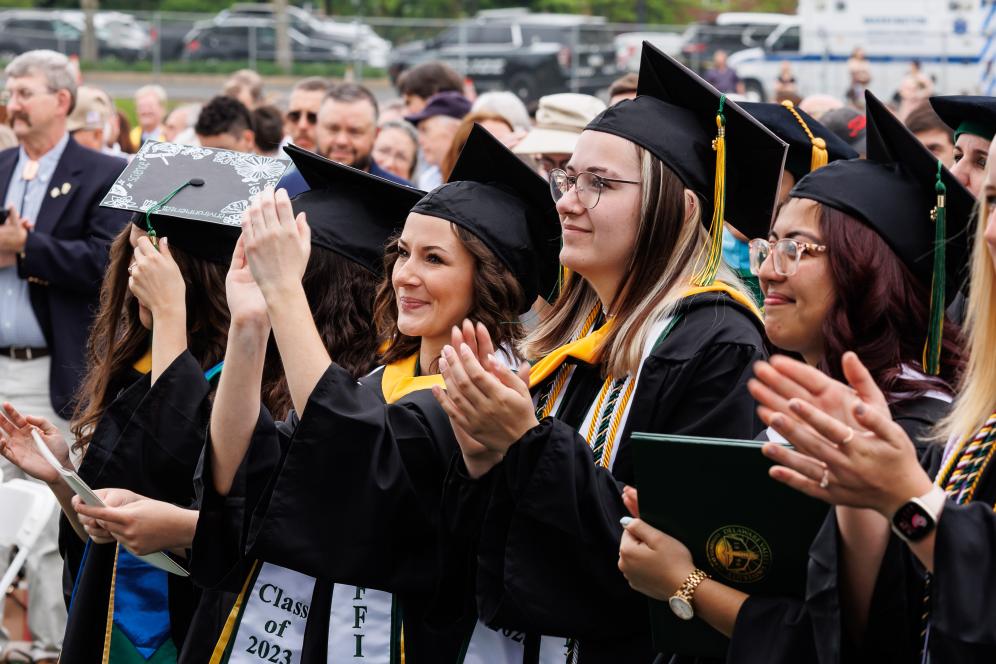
(149, 230)
(932, 347)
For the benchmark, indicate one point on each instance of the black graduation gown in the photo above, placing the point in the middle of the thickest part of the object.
(383, 474)
(148, 441)
(779, 630)
(549, 538)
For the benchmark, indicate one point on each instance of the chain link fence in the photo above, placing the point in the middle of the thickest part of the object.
(529, 54)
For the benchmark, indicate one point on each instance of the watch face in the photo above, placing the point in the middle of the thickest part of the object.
(913, 521)
(681, 607)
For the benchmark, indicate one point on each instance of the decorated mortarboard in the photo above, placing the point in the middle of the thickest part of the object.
(904, 194)
(194, 196)
(810, 144)
(350, 211)
(967, 114)
(507, 205)
(718, 150)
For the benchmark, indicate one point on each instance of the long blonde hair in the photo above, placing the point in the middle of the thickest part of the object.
(668, 250)
(976, 397)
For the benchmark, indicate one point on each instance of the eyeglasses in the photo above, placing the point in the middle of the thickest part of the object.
(24, 94)
(588, 185)
(548, 164)
(787, 254)
(295, 116)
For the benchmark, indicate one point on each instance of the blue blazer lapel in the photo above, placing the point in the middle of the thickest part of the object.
(67, 172)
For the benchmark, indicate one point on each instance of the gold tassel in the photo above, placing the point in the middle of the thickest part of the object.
(820, 156)
(707, 274)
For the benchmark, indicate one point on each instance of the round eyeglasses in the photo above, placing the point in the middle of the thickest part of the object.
(589, 186)
(786, 253)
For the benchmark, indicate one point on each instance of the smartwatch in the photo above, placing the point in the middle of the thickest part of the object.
(918, 517)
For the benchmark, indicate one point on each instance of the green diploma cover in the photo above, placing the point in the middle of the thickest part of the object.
(743, 528)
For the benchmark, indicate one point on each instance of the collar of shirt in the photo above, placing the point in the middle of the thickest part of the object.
(47, 162)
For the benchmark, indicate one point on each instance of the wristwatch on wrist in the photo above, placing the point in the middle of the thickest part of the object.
(918, 517)
(681, 601)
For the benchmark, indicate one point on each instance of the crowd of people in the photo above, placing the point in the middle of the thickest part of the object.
(368, 372)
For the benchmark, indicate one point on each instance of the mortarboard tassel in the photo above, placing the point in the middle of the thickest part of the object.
(932, 347)
(707, 274)
(149, 230)
(820, 155)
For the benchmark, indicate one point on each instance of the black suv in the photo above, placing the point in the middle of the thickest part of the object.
(530, 54)
(240, 38)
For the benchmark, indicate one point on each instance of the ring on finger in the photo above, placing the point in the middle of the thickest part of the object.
(825, 480)
(131, 268)
(849, 437)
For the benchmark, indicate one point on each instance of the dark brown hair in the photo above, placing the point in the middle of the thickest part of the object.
(880, 311)
(124, 134)
(341, 296)
(118, 339)
(923, 118)
(429, 78)
(498, 300)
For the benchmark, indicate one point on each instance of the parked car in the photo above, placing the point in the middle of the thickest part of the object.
(118, 35)
(629, 46)
(730, 32)
(365, 45)
(255, 38)
(530, 54)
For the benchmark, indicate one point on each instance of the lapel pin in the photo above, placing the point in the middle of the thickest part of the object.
(66, 187)
(54, 193)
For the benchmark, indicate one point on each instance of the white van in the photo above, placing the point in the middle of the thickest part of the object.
(950, 38)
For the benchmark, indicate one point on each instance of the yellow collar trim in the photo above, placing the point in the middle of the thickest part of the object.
(144, 363)
(586, 348)
(399, 379)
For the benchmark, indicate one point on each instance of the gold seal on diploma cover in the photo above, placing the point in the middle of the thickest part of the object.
(738, 554)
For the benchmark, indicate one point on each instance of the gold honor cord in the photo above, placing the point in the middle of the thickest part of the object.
(820, 155)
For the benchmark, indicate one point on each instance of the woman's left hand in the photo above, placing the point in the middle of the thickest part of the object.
(277, 243)
(875, 468)
(155, 279)
(653, 562)
(143, 525)
(488, 401)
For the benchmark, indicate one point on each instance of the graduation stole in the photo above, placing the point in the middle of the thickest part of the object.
(352, 607)
(616, 393)
(137, 630)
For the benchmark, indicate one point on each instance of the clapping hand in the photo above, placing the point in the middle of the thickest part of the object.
(277, 243)
(18, 446)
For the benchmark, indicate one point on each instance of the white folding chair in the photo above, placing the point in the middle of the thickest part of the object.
(25, 508)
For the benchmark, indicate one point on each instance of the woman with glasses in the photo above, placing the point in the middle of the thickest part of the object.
(651, 332)
(844, 270)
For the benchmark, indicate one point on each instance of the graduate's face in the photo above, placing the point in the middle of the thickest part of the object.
(796, 306)
(433, 278)
(598, 243)
(988, 195)
(144, 315)
(971, 154)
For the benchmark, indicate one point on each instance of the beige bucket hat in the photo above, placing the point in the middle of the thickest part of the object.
(560, 119)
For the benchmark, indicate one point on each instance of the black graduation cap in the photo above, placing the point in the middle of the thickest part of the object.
(497, 197)
(717, 150)
(810, 144)
(351, 212)
(194, 196)
(905, 195)
(967, 114)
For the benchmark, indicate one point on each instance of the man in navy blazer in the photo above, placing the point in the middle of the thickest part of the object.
(53, 253)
